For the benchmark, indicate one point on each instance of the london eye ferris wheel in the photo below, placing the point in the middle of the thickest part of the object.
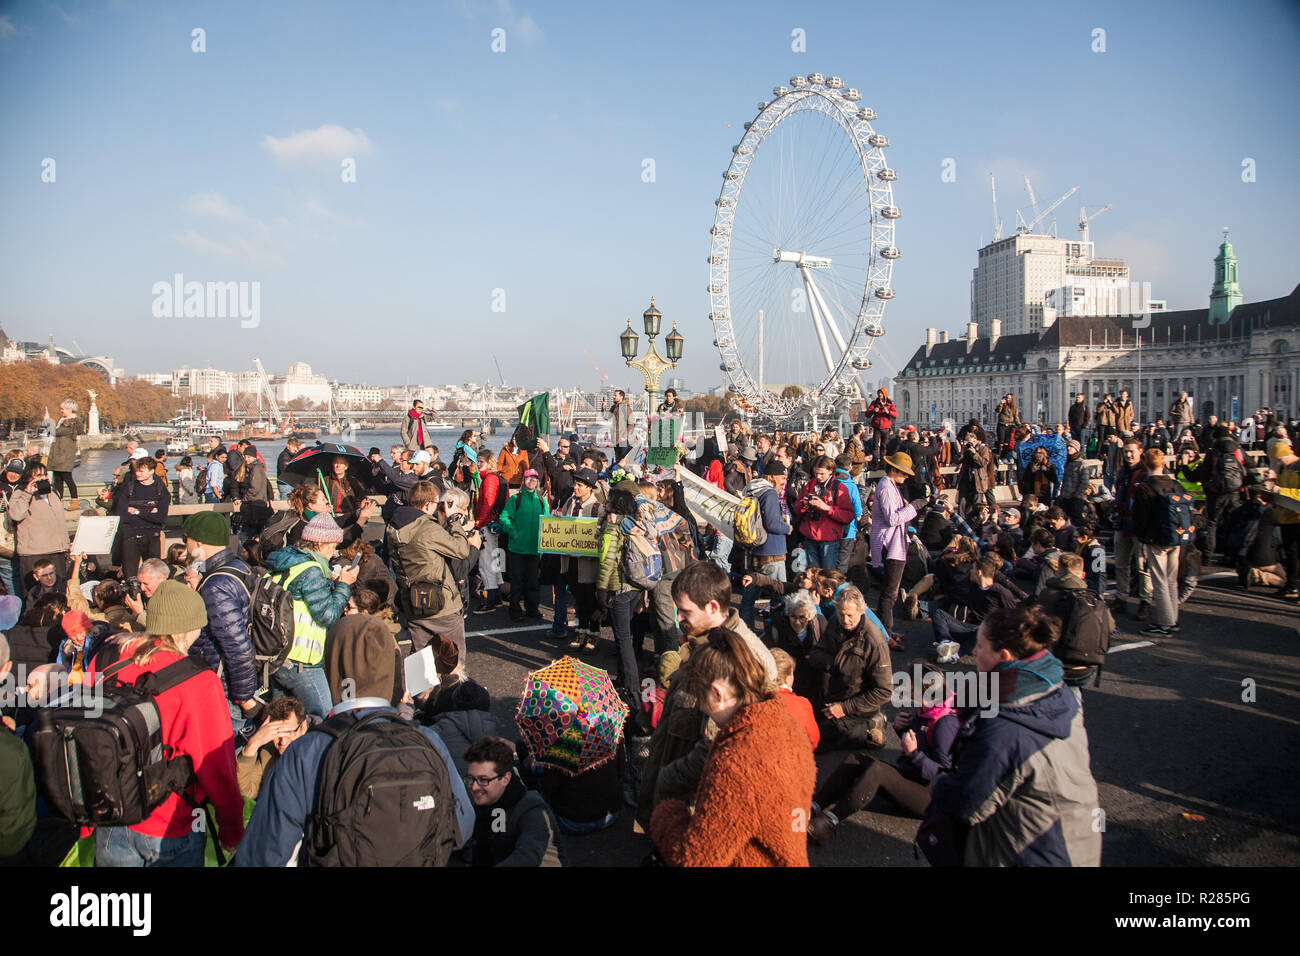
(803, 242)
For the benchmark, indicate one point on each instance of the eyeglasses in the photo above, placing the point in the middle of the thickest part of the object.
(481, 782)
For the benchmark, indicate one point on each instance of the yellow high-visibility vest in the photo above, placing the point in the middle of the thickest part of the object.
(308, 636)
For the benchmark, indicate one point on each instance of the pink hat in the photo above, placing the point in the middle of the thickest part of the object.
(322, 529)
(531, 473)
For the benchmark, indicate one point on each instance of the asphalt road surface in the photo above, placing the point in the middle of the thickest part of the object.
(1194, 740)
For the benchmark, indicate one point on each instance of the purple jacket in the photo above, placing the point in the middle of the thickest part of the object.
(889, 517)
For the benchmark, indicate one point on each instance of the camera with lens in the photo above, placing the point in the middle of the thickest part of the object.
(133, 587)
(43, 487)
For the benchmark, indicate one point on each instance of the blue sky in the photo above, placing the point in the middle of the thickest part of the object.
(522, 170)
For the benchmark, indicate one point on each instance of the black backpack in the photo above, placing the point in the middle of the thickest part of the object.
(112, 770)
(275, 533)
(384, 797)
(270, 617)
(1228, 474)
(1085, 636)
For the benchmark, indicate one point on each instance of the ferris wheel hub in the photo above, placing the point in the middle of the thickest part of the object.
(801, 259)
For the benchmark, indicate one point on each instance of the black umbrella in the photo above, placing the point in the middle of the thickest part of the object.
(318, 461)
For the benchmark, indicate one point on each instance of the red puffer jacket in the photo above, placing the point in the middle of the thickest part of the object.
(882, 414)
(491, 499)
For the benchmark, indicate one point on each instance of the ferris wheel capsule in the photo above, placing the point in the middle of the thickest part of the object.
(780, 91)
(890, 252)
(884, 292)
(816, 79)
(891, 212)
(887, 175)
(798, 82)
(851, 95)
(866, 114)
(834, 83)
(878, 140)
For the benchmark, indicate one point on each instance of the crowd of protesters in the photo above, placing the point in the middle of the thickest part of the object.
(754, 729)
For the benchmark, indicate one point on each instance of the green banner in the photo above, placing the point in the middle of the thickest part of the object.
(536, 414)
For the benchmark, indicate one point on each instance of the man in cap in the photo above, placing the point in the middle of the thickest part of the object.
(520, 520)
(223, 581)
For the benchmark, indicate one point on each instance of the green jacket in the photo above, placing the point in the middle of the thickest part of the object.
(17, 795)
(610, 576)
(520, 519)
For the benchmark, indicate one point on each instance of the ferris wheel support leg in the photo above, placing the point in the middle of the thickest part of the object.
(829, 316)
(810, 293)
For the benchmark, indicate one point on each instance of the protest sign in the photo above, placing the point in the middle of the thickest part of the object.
(572, 536)
(709, 503)
(95, 535)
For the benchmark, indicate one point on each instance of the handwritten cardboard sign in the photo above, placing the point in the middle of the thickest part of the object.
(578, 537)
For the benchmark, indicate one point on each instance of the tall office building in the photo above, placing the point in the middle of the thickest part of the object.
(1017, 276)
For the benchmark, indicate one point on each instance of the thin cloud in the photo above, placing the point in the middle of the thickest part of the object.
(211, 204)
(330, 141)
(7, 28)
(521, 25)
(71, 19)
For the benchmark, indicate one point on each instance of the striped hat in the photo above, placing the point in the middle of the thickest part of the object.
(322, 529)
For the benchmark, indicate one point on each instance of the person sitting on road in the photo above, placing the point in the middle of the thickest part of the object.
(926, 737)
(526, 837)
(852, 678)
(284, 721)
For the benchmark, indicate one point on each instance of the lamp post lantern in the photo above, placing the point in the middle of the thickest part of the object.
(652, 366)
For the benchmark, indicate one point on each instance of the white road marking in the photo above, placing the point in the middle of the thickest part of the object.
(1129, 647)
(542, 626)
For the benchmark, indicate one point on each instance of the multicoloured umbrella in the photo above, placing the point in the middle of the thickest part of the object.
(571, 716)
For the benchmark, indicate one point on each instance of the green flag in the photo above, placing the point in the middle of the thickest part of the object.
(536, 415)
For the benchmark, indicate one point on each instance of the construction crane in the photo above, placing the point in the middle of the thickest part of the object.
(1085, 219)
(264, 388)
(997, 223)
(603, 376)
(1032, 201)
(500, 374)
(1040, 216)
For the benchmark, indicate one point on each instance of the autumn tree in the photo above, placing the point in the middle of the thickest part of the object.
(29, 389)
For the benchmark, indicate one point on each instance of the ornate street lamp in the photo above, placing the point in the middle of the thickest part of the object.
(652, 366)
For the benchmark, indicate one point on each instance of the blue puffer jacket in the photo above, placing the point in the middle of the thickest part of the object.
(855, 495)
(324, 597)
(224, 645)
(1023, 784)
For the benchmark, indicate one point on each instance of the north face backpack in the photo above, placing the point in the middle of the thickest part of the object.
(748, 523)
(384, 797)
(113, 769)
(270, 617)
